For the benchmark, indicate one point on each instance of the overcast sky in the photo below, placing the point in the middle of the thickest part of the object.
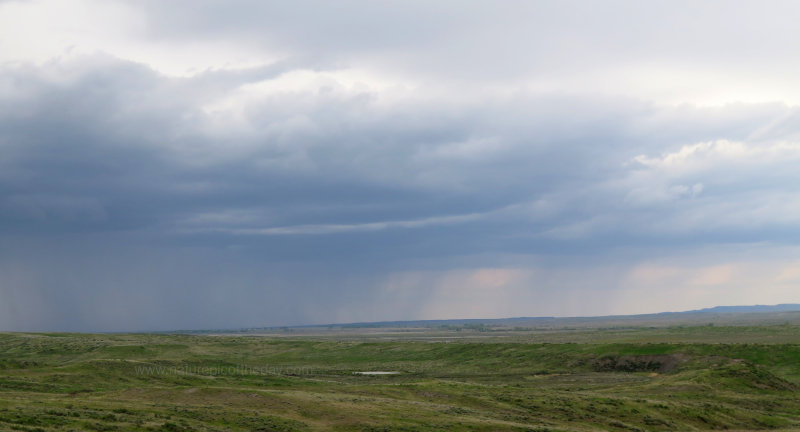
(223, 164)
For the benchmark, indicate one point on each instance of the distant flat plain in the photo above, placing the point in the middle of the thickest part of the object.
(691, 371)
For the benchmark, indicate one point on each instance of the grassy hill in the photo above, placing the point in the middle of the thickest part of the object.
(693, 378)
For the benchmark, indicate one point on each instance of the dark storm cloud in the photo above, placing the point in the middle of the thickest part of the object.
(293, 192)
(133, 163)
(103, 152)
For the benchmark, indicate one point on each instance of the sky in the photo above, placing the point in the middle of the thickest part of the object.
(210, 164)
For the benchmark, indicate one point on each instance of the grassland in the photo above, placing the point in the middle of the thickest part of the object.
(696, 377)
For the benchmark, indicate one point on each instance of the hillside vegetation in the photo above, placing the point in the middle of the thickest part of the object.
(148, 382)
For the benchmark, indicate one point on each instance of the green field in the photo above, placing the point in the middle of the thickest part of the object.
(697, 377)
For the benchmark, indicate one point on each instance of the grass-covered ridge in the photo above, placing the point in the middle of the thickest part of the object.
(192, 382)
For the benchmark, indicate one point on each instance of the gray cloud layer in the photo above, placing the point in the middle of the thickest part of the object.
(386, 165)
